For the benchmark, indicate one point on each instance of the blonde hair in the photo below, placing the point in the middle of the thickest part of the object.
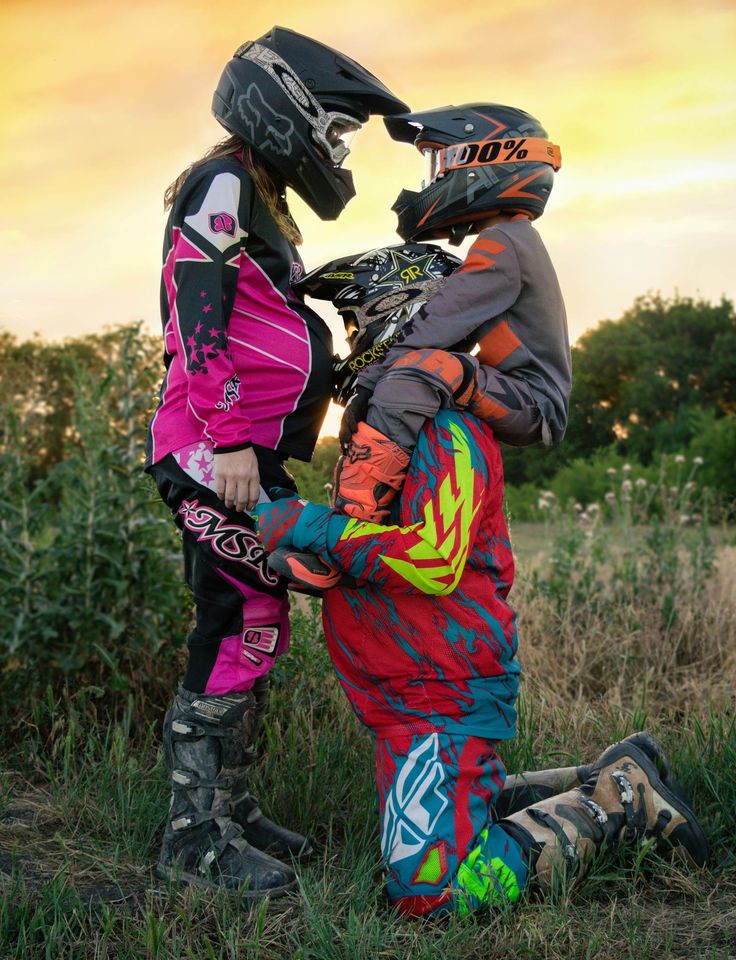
(270, 192)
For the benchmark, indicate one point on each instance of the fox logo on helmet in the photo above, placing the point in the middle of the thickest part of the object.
(269, 130)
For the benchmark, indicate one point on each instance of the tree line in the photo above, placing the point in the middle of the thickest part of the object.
(660, 379)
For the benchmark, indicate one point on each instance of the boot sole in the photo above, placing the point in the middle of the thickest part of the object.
(193, 880)
(699, 855)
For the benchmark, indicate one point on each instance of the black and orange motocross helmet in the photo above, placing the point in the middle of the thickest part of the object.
(297, 103)
(480, 159)
(376, 293)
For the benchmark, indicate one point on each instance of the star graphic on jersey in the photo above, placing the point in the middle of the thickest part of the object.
(206, 308)
(408, 269)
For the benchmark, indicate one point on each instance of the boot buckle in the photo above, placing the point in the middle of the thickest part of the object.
(181, 823)
(187, 729)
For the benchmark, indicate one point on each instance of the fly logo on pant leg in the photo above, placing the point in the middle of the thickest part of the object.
(415, 803)
(260, 640)
(228, 540)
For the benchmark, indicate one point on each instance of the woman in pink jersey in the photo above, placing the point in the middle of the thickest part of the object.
(247, 383)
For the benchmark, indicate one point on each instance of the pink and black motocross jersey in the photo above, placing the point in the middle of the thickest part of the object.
(246, 360)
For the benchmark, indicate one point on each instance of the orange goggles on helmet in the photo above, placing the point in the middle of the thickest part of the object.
(440, 160)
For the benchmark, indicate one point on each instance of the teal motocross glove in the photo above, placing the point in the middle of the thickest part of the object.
(275, 521)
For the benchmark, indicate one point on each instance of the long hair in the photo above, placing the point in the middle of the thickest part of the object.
(268, 189)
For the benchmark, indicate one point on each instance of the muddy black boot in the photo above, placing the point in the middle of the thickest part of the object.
(623, 801)
(523, 789)
(257, 829)
(205, 740)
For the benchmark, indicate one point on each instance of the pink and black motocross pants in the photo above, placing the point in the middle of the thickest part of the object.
(242, 609)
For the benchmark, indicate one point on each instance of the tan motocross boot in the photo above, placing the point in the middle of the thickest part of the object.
(623, 800)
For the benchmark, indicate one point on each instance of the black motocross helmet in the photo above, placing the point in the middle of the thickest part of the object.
(480, 159)
(376, 293)
(294, 100)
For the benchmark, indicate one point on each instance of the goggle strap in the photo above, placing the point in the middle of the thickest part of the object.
(462, 156)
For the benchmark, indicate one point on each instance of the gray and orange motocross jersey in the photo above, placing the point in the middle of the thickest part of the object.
(246, 360)
(506, 299)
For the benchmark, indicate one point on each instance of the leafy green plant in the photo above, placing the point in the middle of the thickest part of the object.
(91, 588)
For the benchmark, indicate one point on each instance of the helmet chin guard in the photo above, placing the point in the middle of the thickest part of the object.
(295, 102)
(481, 159)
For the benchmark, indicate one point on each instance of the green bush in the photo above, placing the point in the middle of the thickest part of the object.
(715, 443)
(91, 590)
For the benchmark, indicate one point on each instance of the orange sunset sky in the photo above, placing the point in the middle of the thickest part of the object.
(103, 103)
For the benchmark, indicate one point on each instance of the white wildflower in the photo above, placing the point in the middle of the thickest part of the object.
(578, 508)
(674, 491)
(641, 483)
(593, 510)
(610, 497)
(611, 471)
(690, 485)
(542, 504)
(679, 458)
(626, 468)
(698, 462)
(626, 486)
(684, 519)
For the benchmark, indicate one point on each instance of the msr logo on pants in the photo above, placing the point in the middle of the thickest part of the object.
(228, 540)
(257, 640)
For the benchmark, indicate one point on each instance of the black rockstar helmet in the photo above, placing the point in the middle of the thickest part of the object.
(376, 293)
(480, 159)
(298, 103)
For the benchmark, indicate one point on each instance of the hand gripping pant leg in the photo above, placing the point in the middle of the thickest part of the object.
(242, 624)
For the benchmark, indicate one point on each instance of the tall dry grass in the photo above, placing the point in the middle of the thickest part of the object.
(632, 608)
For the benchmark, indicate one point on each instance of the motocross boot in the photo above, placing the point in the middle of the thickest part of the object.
(623, 801)
(205, 747)
(367, 478)
(258, 830)
(523, 789)
(304, 570)
(369, 475)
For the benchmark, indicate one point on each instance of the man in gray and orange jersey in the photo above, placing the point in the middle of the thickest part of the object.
(490, 171)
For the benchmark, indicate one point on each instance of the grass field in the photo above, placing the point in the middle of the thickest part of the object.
(83, 795)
